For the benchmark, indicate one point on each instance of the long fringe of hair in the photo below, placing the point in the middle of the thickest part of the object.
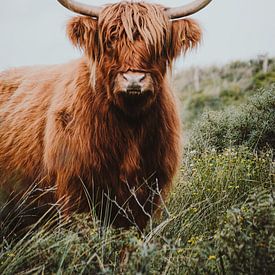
(124, 20)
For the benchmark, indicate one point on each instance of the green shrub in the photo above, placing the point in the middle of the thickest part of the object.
(243, 244)
(246, 240)
(198, 103)
(261, 80)
(251, 124)
(230, 95)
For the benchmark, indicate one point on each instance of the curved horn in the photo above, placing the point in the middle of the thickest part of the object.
(185, 10)
(83, 9)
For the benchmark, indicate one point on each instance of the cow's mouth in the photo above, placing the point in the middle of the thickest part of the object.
(134, 101)
(136, 93)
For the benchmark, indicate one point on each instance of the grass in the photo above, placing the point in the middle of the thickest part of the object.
(189, 238)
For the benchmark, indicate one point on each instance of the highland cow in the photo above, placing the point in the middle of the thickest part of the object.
(103, 128)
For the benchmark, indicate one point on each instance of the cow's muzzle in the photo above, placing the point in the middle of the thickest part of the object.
(134, 83)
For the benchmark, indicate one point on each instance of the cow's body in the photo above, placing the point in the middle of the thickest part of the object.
(105, 127)
(53, 124)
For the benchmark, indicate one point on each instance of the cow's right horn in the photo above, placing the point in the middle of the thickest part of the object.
(80, 8)
(188, 9)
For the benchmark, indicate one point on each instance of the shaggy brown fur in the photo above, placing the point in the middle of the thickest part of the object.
(67, 126)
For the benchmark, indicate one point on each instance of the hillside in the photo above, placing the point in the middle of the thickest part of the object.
(214, 88)
(220, 215)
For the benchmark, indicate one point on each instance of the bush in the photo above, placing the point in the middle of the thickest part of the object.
(198, 103)
(261, 80)
(250, 124)
(246, 240)
(231, 95)
(243, 244)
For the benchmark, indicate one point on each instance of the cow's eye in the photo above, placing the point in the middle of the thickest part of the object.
(109, 45)
(110, 42)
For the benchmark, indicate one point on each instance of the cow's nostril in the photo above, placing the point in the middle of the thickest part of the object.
(142, 77)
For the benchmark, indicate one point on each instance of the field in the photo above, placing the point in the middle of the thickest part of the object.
(220, 215)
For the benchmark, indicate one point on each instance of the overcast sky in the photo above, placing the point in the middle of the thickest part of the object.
(33, 31)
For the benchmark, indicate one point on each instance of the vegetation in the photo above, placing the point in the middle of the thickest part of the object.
(250, 124)
(216, 88)
(220, 216)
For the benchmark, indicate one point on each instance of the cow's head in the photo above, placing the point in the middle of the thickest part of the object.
(131, 45)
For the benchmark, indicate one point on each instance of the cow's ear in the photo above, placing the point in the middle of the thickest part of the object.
(83, 33)
(185, 35)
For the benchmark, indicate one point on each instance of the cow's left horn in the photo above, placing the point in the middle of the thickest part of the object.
(83, 9)
(182, 11)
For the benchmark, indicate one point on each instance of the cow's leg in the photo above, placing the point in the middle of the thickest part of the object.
(71, 194)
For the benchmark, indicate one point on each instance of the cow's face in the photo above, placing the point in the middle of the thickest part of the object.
(132, 44)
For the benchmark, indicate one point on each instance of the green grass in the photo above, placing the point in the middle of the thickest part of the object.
(190, 237)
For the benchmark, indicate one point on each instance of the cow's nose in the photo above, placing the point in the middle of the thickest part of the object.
(134, 78)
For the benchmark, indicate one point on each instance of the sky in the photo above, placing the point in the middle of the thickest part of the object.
(33, 32)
